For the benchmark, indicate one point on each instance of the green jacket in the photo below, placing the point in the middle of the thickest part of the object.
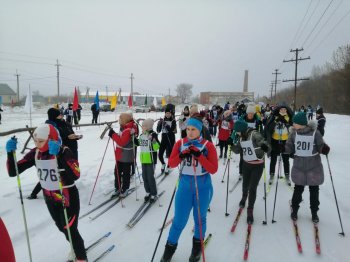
(149, 146)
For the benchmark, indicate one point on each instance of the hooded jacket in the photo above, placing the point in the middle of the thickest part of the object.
(306, 171)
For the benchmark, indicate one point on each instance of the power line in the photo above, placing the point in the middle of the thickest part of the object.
(24, 61)
(324, 24)
(331, 31)
(319, 20)
(312, 14)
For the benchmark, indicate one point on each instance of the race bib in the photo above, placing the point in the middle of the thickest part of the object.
(304, 145)
(48, 174)
(248, 151)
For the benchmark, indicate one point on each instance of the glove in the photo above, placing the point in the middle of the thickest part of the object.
(111, 132)
(168, 128)
(264, 147)
(230, 141)
(154, 136)
(325, 149)
(185, 154)
(54, 147)
(195, 151)
(132, 131)
(283, 120)
(11, 145)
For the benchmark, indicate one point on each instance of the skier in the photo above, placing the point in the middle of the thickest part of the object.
(310, 112)
(124, 153)
(214, 115)
(168, 128)
(276, 133)
(321, 120)
(49, 157)
(0, 113)
(225, 129)
(69, 139)
(251, 144)
(69, 114)
(149, 144)
(183, 121)
(306, 143)
(199, 159)
(95, 112)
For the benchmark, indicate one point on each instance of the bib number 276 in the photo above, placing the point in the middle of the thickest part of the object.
(45, 173)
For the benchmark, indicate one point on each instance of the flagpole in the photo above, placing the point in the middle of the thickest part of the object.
(30, 106)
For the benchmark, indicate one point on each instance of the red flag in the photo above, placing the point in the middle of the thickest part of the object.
(75, 100)
(130, 101)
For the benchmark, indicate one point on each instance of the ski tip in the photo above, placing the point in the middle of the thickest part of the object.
(111, 247)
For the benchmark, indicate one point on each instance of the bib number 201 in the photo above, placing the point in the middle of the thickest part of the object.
(303, 145)
(45, 173)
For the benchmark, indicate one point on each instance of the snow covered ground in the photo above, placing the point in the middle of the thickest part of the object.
(272, 242)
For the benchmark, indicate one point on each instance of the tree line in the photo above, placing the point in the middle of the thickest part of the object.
(329, 85)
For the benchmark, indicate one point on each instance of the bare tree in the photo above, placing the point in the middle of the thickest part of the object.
(184, 91)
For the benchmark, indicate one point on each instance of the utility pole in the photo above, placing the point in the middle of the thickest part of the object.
(276, 70)
(132, 91)
(271, 92)
(17, 75)
(58, 80)
(296, 73)
(87, 95)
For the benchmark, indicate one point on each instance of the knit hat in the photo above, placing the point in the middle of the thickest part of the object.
(193, 109)
(53, 113)
(124, 118)
(227, 113)
(250, 109)
(300, 119)
(47, 132)
(240, 126)
(195, 123)
(148, 123)
(319, 111)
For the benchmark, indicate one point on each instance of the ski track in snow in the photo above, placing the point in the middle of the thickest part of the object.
(269, 242)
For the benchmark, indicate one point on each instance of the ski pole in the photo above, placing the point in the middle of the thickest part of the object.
(198, 210)
(223, 176)
(335, 197)
(134, 157)
(64, 208)
(22, 205)
(167, 213)
(278, 175)
(98, 173)
(228, 177)
(265, 221)
(118, 175)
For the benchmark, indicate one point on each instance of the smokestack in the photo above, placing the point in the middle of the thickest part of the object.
(245, 85)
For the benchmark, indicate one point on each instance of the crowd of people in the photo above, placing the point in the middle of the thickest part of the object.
(251, 130)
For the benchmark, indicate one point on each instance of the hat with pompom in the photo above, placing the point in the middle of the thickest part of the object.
(240, 126)
(300, 119)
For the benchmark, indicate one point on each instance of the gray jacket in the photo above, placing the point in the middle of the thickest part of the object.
(257, 139)
(307, 171)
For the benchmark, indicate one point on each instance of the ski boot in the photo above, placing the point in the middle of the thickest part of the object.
(315, 218)
(294, 214)
(287, 178)
(250, 218)
(196, 250)
(31, 197)
(272, 177)
(168, 252)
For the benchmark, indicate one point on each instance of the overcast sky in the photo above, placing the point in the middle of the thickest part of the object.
(207, 43)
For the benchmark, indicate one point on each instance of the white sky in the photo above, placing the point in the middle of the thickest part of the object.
(163, 43)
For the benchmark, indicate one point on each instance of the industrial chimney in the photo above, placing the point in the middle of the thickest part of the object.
(245, 85)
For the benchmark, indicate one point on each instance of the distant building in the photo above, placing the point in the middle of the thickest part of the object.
(7, 95)
(210, 98)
